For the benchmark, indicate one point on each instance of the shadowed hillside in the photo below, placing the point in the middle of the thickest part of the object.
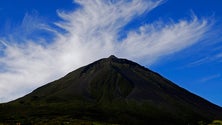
(111, 90)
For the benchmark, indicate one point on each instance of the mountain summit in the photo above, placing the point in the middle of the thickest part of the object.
(113, 90)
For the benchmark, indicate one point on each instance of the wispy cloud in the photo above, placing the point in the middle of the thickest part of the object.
(199, 61)
(208, 58)
(92, 33)
(208, 78)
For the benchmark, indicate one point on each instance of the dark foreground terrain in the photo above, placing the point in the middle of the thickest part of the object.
(114, 91)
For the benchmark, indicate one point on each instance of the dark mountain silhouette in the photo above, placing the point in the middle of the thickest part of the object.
(111, 90)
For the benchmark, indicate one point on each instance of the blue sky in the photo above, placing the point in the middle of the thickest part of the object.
(43, 40)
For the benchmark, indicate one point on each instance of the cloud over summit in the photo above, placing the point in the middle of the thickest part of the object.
(92, 32)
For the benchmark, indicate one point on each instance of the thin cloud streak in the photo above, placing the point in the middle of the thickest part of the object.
(208, 78)
(92, 33)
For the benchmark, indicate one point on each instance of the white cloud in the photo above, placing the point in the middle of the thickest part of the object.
(208, 78)
(92, 33)
(155, 40)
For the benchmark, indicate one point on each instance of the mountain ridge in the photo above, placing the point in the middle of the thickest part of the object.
(110, 88)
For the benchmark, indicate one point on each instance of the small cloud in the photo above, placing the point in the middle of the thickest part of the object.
(219, 55)
(199, 62)
(208, 78)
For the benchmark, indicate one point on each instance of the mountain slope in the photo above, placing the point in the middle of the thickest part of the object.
(117, 91)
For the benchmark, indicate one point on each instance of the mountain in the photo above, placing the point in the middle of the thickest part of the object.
(111, 90)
